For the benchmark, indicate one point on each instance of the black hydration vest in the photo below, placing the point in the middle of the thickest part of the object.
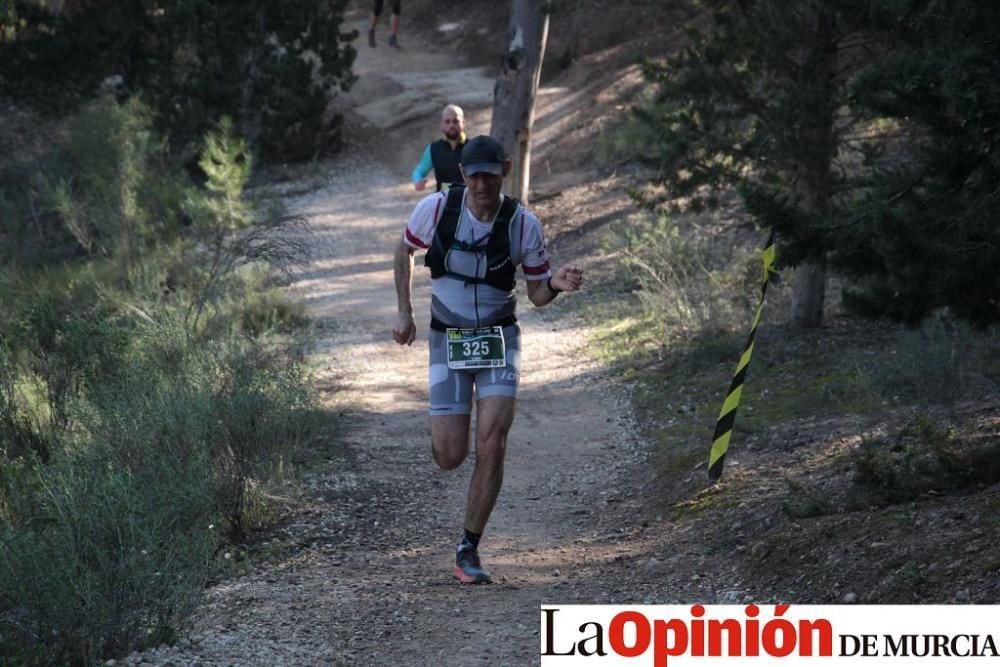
(445, 161)
(499, 265)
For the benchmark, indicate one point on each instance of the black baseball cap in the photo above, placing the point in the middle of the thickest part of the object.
(483, 155)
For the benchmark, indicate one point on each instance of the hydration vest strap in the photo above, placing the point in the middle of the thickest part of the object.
(497, 248)
(507, 211)
(444, 235)
(468, 280)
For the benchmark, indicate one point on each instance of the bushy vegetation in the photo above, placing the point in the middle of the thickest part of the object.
(149, 395)
(937, 362)
(271, 65)
(689, 284)
(924, 458)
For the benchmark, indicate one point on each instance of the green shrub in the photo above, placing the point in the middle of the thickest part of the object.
(106, 189)
(64, 340)
(919, 461)
(691, 286)
(110, 559)
(243, 407)
(271, 311)
(233, 232)
(136, 437)
(924, 458)
(627, 139)
(804, 502)
(104, 185)
(19, 437)
(121, 196)
(932, 363)
(261, 415)
(107, 544)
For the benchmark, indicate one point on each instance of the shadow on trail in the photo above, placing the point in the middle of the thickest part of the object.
(343, 268)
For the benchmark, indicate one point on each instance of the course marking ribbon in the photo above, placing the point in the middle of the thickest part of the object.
(727, 416)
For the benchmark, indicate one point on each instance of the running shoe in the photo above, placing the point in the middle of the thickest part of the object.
(394, 42)
(468, 569)
(371, 38)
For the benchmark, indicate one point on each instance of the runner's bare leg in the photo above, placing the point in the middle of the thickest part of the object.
(494, 416)
(450, 439)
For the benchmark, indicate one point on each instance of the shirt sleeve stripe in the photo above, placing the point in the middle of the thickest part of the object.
(414, 241)
(535, 270)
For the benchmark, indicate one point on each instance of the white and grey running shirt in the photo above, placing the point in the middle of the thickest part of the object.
(461, 304)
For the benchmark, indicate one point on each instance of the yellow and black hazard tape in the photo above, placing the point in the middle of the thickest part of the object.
(727, 416)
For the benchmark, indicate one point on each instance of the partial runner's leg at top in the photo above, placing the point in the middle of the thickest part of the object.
(393, 22)
(394, 27)
(376, 12)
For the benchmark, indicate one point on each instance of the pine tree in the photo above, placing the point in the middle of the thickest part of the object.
(865, 133)
(927, 233)
(272, 65)
(755, 101)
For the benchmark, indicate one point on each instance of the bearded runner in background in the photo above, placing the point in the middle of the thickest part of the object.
(443, 156)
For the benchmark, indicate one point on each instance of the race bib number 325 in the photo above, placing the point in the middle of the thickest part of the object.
(476, 348)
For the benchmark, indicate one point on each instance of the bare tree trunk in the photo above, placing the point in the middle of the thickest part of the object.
(516, 86)
(809, 294)
(814, 179)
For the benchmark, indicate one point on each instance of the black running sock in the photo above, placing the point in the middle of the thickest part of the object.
(472, 538)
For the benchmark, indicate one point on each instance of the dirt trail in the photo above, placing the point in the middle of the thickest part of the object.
(365, 575)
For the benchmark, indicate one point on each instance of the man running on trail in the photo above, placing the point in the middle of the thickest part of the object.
(475, 237)
(444, 154)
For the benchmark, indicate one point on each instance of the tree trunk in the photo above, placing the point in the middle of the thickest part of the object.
(516, 86)
(814, 181)
(809, 294)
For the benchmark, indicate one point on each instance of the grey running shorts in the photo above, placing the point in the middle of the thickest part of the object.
(451, 390)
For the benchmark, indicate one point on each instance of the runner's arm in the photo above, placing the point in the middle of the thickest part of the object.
(567, 278)
(406, 328)
(422, 170)
(417, 236)
(543, 283)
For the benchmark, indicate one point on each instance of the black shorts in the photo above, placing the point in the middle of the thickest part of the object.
(396, 4)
